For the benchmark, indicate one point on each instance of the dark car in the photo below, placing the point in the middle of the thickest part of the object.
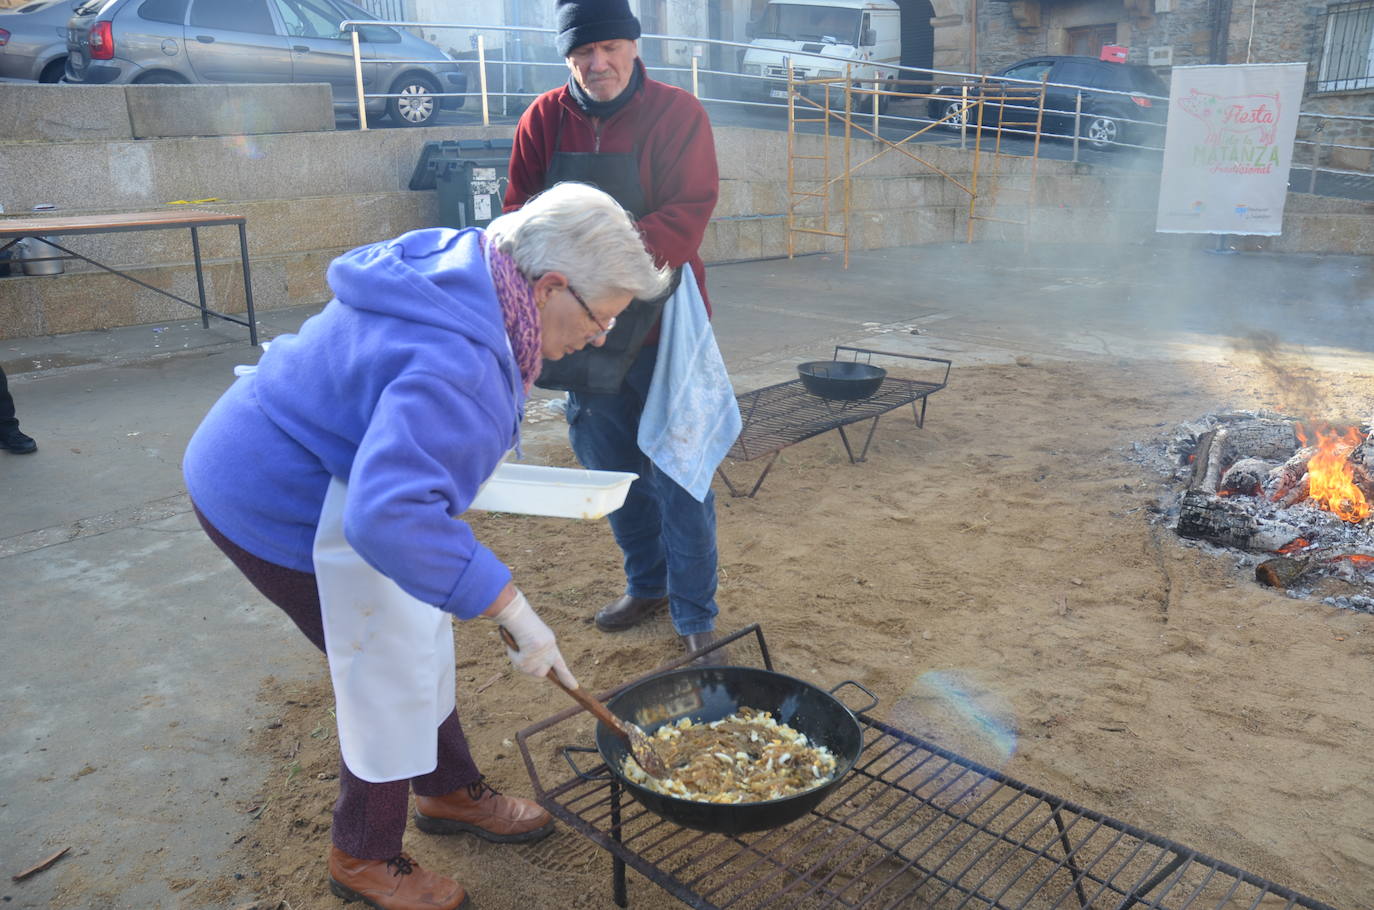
(112, 42)
(33, 40)
(1121, 102)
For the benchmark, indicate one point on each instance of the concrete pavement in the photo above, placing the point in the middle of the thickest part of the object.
(134, 651)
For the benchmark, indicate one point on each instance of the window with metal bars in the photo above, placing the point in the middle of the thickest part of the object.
(385, 9)
(1347, 60)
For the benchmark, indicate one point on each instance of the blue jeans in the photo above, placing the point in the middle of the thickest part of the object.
(667, 537)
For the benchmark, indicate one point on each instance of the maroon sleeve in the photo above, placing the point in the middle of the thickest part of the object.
(529, 155)
(685, 182)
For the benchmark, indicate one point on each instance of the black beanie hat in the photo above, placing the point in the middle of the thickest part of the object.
(585, 21)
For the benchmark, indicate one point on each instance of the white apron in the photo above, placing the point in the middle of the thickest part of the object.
(390, 655)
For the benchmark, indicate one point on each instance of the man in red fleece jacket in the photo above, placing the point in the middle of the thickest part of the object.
(649, 145)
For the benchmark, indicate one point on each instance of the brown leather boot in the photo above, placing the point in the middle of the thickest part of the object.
(392, 884)
(478, 809)
(698, 640)
(627, 612)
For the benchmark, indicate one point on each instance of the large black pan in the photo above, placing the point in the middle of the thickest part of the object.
(841, 380)
(705, 694)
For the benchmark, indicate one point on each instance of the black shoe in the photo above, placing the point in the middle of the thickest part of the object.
(628, 612)
(16, 442)
(698, 640)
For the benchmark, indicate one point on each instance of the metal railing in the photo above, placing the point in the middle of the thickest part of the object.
(949, 99)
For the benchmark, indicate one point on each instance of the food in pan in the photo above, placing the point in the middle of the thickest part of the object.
(747, 757)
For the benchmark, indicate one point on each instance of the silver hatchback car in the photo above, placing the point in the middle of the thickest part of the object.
(213, 41)
(33, 40)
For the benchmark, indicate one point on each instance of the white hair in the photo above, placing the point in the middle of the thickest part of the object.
(582, 232)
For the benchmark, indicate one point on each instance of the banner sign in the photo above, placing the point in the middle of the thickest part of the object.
(1228, 147)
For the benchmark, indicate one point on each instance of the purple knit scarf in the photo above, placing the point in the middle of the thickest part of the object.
(516, 294)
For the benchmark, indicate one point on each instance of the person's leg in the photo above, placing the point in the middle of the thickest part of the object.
(686, 531)
(603, 430)
(365, 860)
(11, 439)
(369, 819)
(7, 421)
(453, 798)
(689, 537)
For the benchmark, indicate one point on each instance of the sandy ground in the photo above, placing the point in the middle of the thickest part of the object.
(1014, 542)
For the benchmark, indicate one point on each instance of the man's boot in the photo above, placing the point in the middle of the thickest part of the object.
(480, 810)
(698, 640)
(392, 884)
(628, 612)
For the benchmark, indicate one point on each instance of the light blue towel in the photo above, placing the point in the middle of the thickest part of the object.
(690, 417)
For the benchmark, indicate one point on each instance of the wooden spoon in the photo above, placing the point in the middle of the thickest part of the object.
(641, 745)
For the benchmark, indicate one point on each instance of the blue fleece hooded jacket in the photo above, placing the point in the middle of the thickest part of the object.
(404, 386)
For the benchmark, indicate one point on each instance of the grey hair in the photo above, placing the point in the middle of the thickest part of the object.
(582, 232)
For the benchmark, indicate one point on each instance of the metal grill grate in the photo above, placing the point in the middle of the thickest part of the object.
(913, 826)
(781, 415)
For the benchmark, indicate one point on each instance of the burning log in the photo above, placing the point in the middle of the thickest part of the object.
(1276, 537)
(1297, 494)
(1202, 516)
(1281, 571)
(1363, 477)
(1207, 461)
(1267, 440)
(1245, 477)
(1285, 477)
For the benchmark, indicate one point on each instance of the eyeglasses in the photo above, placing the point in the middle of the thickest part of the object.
(605, 329)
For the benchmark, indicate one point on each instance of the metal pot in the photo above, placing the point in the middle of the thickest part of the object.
(841, 380)
(38, 257)
(705, 694)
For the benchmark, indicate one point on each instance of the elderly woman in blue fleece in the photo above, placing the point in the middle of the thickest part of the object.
(388, 410)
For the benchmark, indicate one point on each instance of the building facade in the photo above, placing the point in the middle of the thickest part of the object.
(1334, 39)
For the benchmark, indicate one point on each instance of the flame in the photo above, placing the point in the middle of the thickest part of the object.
(1358, 559)
(1293, 546)
(1331, 476)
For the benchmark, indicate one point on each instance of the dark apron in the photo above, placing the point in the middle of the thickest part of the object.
(599, 370)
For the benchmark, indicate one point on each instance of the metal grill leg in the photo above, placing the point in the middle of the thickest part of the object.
(248, 286)
(863, 456)
(1068, 856)
(735, 492)
(200, 279)
(617, 864)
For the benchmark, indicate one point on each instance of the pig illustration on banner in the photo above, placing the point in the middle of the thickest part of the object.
(1234, 114)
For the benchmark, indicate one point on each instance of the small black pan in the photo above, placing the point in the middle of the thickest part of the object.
(841, 380)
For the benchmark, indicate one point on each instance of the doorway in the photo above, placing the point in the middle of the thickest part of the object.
(1088, 40)
(918, 39)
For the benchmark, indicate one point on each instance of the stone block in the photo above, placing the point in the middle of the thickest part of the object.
(82, 303)
(1352, 159)
(21, 311)
(302, 279)
(735, 199)
(727, 234)
(773, 237)
(750, 244)
(35, 112)
(768, 197)
(162, 111)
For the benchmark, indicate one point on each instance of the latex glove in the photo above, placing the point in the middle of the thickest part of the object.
(536, 649)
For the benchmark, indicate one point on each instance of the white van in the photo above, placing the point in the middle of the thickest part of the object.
(858, 32)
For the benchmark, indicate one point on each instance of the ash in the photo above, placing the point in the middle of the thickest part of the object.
(1250, 511)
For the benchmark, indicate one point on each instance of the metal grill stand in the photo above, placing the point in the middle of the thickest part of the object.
(912, 826)
(781, 415)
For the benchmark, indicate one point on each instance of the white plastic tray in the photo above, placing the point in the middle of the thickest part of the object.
(527, 489)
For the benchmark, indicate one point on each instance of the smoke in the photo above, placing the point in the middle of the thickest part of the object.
(1290, 376)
